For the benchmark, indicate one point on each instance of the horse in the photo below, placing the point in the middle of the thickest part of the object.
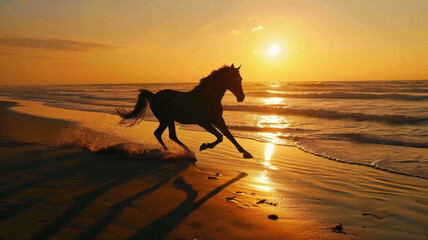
(201, 105)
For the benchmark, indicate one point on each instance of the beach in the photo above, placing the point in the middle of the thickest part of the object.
(70, 174)
(214, 120)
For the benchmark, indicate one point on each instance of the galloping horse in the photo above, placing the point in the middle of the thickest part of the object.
(201, 105)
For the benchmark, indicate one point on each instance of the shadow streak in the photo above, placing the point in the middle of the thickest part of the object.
(50, 176)
(160, 228)
(118, 173)
(115, 210)
(17, 208)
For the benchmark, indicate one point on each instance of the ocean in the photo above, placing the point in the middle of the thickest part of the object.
(379, 124)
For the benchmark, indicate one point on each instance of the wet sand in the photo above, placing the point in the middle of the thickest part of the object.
(70, 174)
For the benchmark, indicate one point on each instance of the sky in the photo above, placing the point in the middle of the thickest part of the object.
(137, 41)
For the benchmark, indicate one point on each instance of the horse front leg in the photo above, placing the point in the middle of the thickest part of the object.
(213, 131)
(221, 125)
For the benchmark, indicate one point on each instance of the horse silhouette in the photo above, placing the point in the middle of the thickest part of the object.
(201, 105)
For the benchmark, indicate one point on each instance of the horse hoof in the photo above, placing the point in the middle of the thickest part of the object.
(203, 147)
(164, 149)
(247, 155)
(190, 153)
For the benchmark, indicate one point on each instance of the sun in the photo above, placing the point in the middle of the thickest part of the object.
(273, 51)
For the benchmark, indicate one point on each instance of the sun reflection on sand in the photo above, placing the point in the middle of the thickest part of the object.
(263, 181)
(269, 151)
(268, 154)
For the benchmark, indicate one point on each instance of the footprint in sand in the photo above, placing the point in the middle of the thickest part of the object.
(373, 216)
(233, 199)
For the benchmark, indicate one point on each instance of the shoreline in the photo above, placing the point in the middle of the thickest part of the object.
(30, 212)
(180, 126)
(286, 179)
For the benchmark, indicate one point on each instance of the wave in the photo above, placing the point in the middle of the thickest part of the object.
(130, 150)
(267, 129)
(359, 137)
(78, 139)
(63, 96)
(340, 95)
(356, 89)
(110, 98)
(375, 83)
(368, 138)
(308, 149)
(82, 139)
(329, 114)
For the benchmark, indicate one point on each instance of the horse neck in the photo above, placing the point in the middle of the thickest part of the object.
(213, 91)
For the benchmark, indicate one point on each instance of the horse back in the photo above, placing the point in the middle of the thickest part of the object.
(183, 107)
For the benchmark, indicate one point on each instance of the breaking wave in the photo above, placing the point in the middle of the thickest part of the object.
(329, 114)
(80, 139)
(267, 129)
(339, 95)
(368, 138)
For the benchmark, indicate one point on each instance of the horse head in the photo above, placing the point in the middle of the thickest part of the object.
(234, 83)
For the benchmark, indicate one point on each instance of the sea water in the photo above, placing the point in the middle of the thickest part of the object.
(380, 124)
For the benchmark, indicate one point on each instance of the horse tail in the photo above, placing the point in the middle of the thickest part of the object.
(135, 116)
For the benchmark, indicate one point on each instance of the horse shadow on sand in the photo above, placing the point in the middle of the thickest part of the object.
(96, 173)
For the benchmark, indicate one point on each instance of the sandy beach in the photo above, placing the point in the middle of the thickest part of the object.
(79, 175)
(214, 120)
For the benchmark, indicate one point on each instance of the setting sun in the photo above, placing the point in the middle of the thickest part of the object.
(273, 51)
(220, 119)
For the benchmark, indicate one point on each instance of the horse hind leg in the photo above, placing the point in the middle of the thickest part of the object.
(213, 131)
(173, 136)
(158, 134)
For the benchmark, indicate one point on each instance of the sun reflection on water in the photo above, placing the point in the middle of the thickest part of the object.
(273, 138)
(272, 101)
(273, 121)
(274, 84)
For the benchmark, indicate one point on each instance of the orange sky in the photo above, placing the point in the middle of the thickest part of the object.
(93, 41)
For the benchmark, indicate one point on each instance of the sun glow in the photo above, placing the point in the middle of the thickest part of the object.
(273, 51)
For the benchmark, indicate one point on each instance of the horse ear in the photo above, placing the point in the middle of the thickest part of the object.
(239, 67)
(232, 66)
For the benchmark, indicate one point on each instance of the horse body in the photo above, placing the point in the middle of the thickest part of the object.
(201, 105)
(183, 107)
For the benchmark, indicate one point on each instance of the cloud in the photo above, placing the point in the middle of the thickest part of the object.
(44, 57)
(272, 51)
(55, 44)
(257, 28)
(266, 53)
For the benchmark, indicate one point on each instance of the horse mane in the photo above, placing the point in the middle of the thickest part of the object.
(214, 75)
